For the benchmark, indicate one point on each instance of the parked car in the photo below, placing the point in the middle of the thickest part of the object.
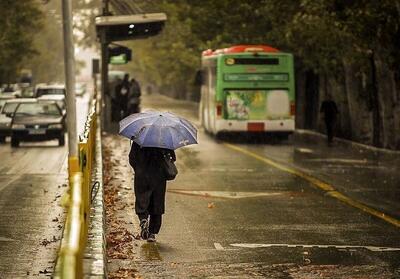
(38, 121)
(6, 115)
(4, 98)
(59, 99)
(11, 90)
(27, 92)
(49, 89)
(80, 88)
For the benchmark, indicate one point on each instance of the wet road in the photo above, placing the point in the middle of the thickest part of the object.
(32, 179)
(275, 210)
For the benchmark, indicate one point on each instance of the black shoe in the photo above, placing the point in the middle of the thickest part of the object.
(144, 229)
(151, 238)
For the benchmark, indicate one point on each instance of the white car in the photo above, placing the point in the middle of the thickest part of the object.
(80, 88)
(59, 99)
(49, 89)
(11, 90)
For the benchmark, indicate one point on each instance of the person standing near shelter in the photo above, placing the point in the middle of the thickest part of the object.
(134, 97)
(330, 111)
(121, 93)
(150, 187)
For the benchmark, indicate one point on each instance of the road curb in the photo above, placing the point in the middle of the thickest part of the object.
(301, 134)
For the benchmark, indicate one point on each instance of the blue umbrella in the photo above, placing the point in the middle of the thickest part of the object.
(158, 129)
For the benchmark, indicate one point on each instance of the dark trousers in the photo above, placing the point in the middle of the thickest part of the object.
(154, 223)
(150, 199)
(330, 128)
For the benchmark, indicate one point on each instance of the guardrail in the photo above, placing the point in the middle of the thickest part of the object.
(78, 199)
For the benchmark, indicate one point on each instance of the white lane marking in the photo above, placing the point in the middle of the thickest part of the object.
(6, 239)
(228, 170)
(218, 246)
(9, 182)
(304, 150)
(338, 160)
(370, 248)
(226, 194)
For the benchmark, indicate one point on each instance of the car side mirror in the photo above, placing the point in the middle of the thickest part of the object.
(9, 115)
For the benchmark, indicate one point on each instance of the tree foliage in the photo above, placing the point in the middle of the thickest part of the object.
(320, 33)
(351, 43)
(19, 22)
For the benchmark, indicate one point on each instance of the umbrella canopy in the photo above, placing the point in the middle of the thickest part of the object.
(158, 129)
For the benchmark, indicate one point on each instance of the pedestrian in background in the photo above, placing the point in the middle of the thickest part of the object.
(121, 94)
(134, 97)
(330, 111)
(150, 186)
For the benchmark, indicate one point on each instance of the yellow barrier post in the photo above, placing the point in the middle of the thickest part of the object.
(71, 252)
(70, 260)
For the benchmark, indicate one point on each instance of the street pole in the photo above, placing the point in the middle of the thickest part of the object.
(104, 71)
(104, 82)
(69, 65)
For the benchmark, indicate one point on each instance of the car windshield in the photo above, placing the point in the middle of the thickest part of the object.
(9, 108)
(38, 109)
(61, 104)
(50, 91)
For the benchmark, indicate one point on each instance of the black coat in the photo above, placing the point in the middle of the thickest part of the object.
(329, 109)
(150, 183)
(147, 160)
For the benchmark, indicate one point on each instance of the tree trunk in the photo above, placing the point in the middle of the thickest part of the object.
(396, 86)
(376, 111)
(387, 101)
(311, 100)
(300, 99)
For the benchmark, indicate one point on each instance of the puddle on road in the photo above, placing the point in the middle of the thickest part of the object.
(323, 256)
(150, 252)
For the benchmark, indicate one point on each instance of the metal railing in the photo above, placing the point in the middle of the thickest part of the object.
(77, 200)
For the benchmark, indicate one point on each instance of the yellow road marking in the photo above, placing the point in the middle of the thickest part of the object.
(331, 191)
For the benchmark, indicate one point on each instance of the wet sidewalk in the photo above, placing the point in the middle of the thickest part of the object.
(231, 216)
(362, 172)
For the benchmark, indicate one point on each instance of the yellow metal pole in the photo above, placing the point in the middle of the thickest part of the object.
(73, 165)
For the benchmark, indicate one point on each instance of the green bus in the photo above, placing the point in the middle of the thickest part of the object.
(247, 88)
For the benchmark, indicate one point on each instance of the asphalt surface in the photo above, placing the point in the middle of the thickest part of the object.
(32, 179)
(231, 214)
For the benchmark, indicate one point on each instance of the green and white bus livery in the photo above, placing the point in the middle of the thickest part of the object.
(247, 88)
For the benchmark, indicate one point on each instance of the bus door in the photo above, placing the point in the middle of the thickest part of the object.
(211, 100)
(205, 91)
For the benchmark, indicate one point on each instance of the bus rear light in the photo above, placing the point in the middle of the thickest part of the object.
(219, 109)
(292, 108)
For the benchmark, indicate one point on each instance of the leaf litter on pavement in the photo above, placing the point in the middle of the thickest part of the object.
(118, 199)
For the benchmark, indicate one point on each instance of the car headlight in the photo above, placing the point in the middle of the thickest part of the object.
(18, 126)
(55, 126)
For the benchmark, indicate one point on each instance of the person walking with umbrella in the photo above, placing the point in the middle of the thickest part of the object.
(155, 136)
